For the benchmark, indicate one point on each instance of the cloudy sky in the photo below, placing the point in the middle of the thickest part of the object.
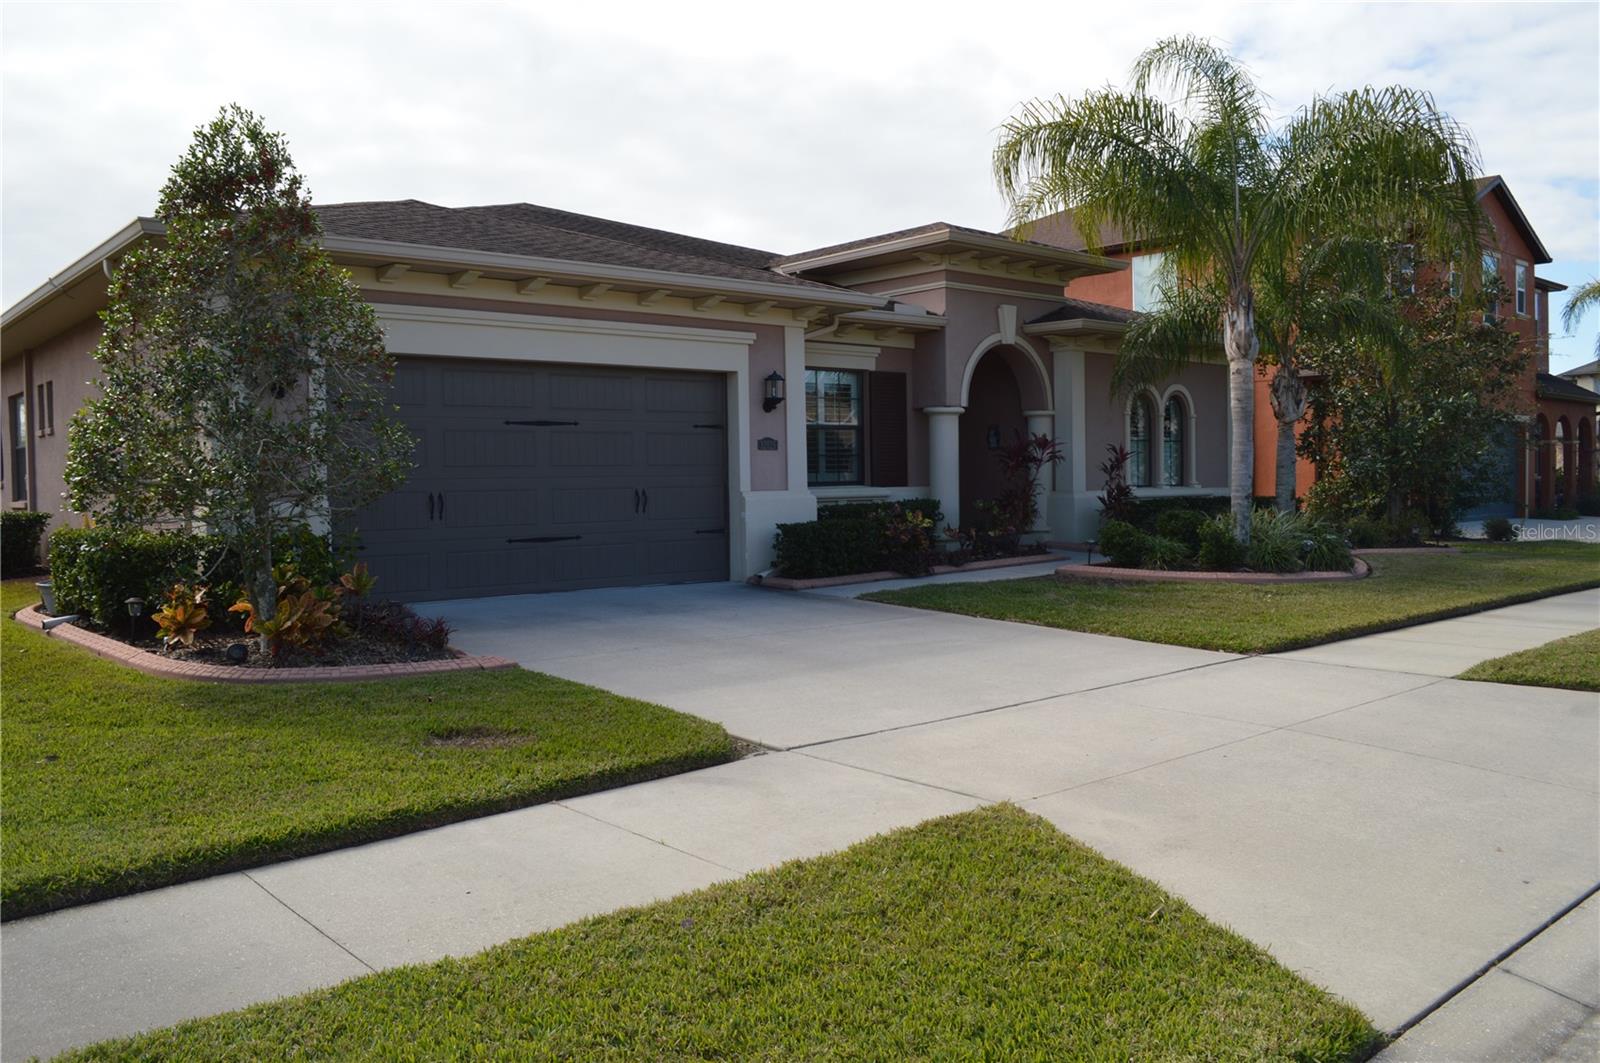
(778, 126)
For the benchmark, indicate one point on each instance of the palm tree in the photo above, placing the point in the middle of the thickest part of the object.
(1583, 297)
(1208, 175)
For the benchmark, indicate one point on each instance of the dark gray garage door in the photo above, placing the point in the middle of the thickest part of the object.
(551, 477)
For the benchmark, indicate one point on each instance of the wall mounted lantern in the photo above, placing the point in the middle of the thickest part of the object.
(774, 395)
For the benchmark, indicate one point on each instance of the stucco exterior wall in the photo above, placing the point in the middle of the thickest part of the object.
(66, 362)
(1206, 386)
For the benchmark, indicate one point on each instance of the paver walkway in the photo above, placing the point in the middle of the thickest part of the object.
(1384, 833)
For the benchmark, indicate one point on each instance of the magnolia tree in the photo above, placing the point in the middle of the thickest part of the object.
(245, 381)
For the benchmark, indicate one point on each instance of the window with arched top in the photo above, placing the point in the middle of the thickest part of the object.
(1141, 417)
(1174, 441)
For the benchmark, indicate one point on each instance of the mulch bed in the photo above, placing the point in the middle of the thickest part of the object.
(211, 647)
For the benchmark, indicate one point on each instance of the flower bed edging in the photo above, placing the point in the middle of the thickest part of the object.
(783, 583)
(154, 664)
(1360, 571)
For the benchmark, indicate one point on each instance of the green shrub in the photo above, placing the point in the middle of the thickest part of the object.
(20, 531)
(1589, 504)
(849, 539)
(1365, 532)
(1220, 550)
(95, 570)
(1123, 544)
(1499, 530)
(838, 546)
(1182, 525)
(928, 507)
(1146, 512)
(1324, 548)
(1161, 552)
(1276, 541)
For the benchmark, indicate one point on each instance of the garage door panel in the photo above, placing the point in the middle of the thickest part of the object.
(582, 484)
(572, 449)
(614, 506)
(684, 394)
(492, 508)
(489, 450)
(487, 388)
(701, 449)
(703, 504)
(592, 392)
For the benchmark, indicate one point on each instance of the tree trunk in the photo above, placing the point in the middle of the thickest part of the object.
(1288, 406)
(1241, 344)
(263, 591)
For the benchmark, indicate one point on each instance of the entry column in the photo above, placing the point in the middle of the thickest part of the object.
(1042, 423)
(944, 460)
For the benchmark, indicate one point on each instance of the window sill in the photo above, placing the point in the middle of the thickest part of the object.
(863, 492)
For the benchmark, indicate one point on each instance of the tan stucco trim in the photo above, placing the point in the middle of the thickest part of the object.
(1080, 262)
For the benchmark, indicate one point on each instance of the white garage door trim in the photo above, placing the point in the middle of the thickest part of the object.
(440, 332)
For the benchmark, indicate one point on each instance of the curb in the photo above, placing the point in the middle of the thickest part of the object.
(154, 664)
(1148, 575)
(783, 583)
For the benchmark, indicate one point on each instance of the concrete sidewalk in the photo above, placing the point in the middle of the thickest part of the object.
(1384, 833)
(1450, 647)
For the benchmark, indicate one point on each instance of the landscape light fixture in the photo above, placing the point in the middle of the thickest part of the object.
(774, 395)
(135, 611)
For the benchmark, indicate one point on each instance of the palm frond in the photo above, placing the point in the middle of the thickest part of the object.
(1184, 327)
(1584, 298)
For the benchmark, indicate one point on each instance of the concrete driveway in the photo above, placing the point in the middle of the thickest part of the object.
(790, 670)
(1385, 832)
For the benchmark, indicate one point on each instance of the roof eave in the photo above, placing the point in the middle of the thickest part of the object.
(456, 257)
(114, 244)
(1541, 257)
(1080, 260)
(1076, 326)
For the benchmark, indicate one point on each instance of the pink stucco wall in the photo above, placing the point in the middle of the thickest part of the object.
(1106, 417)
(65, 361)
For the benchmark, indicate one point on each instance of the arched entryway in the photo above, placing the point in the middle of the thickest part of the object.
(993, 419)
(1586, 472)
(1561, 465)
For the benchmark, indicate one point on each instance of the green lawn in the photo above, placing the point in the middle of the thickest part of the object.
(987, 935)
(1252, 618)
(1571, 663)
(113, 781)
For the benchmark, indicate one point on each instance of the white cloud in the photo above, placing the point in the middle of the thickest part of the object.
(777, 126)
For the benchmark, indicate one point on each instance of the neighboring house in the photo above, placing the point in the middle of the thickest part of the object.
(1586, 376)
(1551, 456)
(601, 404)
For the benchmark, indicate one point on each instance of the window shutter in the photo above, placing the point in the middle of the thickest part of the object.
(886, 425)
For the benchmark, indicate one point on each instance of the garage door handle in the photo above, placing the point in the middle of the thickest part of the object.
(646, 495)
(441, 505)
(430, 505)
(636, 500)
(544, 424)
(545, 539)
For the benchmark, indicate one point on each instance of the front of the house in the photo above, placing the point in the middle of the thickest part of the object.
(599, 404)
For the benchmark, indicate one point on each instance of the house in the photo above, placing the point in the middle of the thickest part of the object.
(599, 403)
(1549, 461)
(1585, 376)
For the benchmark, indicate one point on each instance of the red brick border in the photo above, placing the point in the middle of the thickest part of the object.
(154, 664)
(1136, 575)
(783, 583)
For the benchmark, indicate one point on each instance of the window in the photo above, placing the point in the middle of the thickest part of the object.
(44, 410)
(1174, 432)
(1406, 269)
(17, 424)
(1522, 288)
(1147, 278)
(1491, 280)
(833, 426)
(1140, 416)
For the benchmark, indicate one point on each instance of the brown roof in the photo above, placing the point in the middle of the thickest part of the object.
(527, 229)
(900, 234)
(1551, 386)
(1495, 183)
(1082, 309)
(1061, 230)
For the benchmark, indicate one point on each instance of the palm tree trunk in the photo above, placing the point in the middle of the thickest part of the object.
(1288, 406)
(1240, 343)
